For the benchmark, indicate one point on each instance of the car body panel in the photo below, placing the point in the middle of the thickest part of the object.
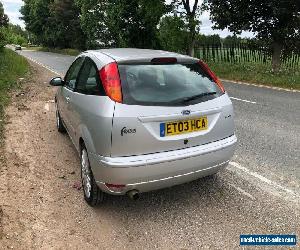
(99, 58)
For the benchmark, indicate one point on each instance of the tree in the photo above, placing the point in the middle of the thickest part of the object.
(93, 21)
(232, 40)
(212, 40)
(55, 23)
(190, 15)
(14, 34)
(134, 22)
(3, 22)
(173, 34)
(121, 23)
(35, 15)
(63, 29)
(276, 22)
(3, 17)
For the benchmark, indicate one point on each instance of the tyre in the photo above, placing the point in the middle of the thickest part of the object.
(59, 123)
(92, 194)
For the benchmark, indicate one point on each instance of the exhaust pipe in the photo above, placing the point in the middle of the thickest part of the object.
(133, 194)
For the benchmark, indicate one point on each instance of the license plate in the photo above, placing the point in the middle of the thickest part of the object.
(184, 126)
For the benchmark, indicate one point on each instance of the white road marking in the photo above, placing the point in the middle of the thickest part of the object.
(262, 86)
(33, 60)
(242, 191)
(242, 100)
(264, 180)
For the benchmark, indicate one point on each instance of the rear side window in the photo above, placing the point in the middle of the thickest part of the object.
(72, 73)
(166, 85)
(88, 81)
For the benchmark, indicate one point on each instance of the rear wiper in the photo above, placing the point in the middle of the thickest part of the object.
(194, 97)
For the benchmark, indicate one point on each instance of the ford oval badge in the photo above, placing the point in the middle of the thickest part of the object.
(185, 112)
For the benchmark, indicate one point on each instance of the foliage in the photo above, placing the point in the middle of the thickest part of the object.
(121, 23)
(3, 22)
(93, 20)
(13, 34)
(190, 15)
(70, 52)
(257, 73)
(275, 22)
(12, 67)
(134, 23)
(209, 40)
(2, 40)
(3, 17)
(64, 29)
(54, 23)
(173, 34)
(35, 15)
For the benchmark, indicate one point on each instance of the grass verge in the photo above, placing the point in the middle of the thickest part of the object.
(70, 52)
(258, 74)
(12, 67)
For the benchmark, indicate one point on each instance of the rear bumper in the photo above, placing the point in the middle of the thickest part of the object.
(155, 171)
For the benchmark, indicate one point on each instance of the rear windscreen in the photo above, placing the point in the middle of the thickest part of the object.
(166, 84)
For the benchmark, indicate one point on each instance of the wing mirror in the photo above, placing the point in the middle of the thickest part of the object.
(57, 81)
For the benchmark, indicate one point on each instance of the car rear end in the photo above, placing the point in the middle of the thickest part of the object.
(18, 47)
(172, 122)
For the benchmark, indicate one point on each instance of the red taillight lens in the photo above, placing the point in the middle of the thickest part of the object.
(212, 75)
(110, 78)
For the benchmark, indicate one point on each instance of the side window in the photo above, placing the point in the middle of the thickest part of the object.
(88, 81)
(72, 73)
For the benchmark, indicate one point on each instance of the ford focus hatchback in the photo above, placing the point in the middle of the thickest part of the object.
(143, 120)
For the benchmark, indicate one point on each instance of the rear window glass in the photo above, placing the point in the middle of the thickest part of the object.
(166, 84)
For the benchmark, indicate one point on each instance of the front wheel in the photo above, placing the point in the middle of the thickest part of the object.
(92, 194)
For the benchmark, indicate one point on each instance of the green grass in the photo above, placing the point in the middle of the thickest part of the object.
(12, 67)
(257, 73)
(70, 52)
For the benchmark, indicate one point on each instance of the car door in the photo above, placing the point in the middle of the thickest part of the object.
(67, 94)
(92, 110)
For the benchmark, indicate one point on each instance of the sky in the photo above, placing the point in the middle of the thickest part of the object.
(12, 7)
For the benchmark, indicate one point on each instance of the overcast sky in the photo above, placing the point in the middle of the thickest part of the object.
(12, 7)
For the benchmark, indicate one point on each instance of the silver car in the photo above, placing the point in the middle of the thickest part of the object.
(143, 120)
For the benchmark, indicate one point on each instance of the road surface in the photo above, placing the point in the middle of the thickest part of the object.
(259, 193)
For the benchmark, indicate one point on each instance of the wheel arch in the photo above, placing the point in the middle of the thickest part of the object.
(85, 138)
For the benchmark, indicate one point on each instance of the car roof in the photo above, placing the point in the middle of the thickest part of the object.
(139, 55)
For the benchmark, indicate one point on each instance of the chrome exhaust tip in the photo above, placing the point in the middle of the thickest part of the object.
(133, 194)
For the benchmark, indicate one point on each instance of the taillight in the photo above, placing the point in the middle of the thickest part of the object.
(164, 60)
(212, 75)
(111, 82)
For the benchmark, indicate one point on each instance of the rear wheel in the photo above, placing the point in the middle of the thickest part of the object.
(92, 193)
(59, 124)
